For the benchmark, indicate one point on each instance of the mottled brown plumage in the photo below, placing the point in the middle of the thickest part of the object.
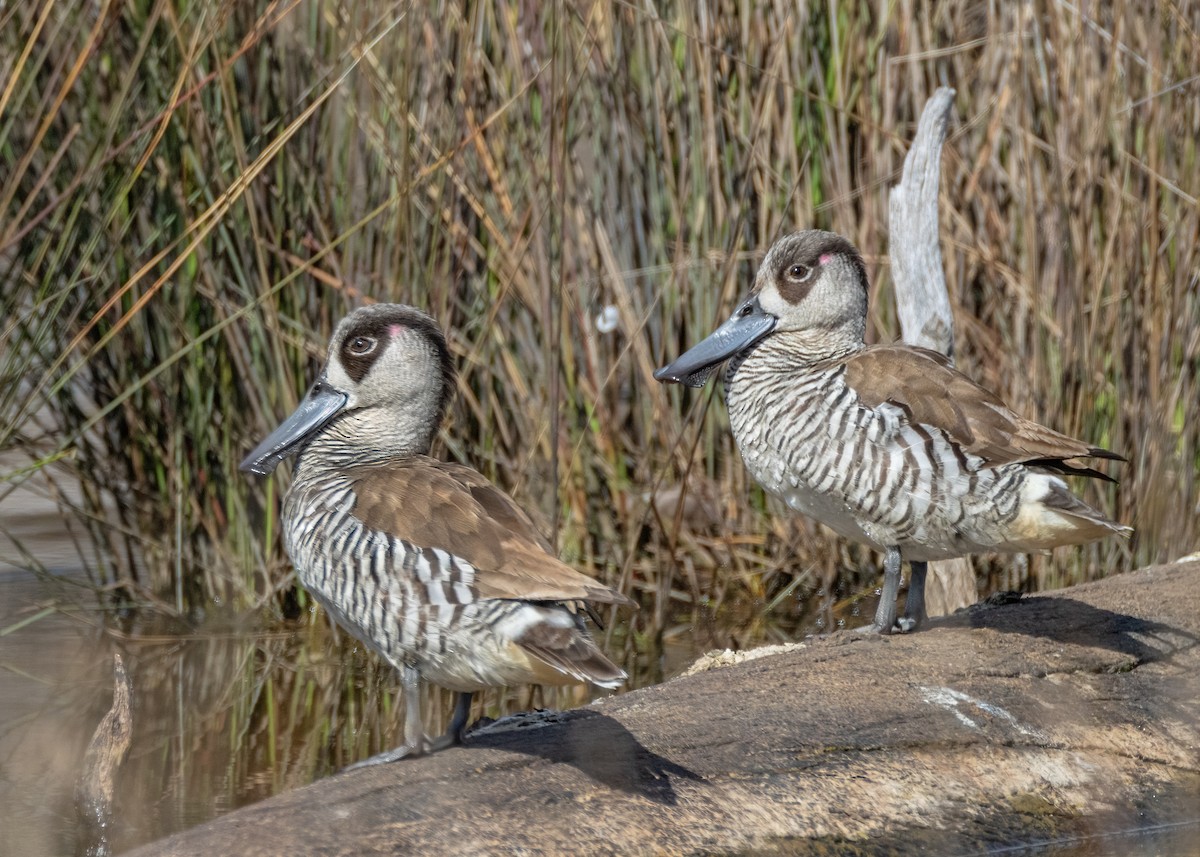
(431, 503)
(931, 392)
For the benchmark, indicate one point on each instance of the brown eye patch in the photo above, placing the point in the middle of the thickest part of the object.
(801, 257)
(362, 346)
(796, 280)
(381, 324)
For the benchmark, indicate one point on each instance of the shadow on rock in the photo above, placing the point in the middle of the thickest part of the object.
(1066, 620)
(591, 742)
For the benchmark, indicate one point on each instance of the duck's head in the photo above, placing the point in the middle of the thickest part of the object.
(384, 389)
(813, 282)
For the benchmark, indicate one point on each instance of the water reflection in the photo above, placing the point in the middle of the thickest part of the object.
(48, 696)
(223, 716)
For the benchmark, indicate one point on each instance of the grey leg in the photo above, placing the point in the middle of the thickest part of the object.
(885, 616)
(414, 735)
(415, 742)
(914, 605)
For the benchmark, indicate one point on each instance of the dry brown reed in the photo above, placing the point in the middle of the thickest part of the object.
(193, 194)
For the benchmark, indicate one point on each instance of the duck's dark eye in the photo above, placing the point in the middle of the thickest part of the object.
(361, 345)
(799, 272)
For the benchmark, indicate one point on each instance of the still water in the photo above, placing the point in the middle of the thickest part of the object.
(221, 719)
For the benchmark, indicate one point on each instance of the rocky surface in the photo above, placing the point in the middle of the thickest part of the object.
(1062, 715)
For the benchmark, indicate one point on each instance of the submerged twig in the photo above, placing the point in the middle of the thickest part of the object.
(105, 753)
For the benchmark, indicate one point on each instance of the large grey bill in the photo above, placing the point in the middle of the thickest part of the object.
(748, 324)
(321, 405)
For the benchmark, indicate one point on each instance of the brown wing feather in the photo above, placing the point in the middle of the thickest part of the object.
(435, 504)
(498, 505)
(927, 388)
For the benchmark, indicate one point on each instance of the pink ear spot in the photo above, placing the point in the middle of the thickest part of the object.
(394, 330)
(826, 258)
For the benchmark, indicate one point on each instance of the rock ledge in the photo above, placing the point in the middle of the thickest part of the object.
(1064, 715)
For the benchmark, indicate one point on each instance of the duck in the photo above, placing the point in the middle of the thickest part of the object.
(888, 445)
(426, 562)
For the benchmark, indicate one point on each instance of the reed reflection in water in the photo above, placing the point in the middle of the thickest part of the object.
(223, 716)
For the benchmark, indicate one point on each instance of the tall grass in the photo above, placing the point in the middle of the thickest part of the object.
(191, 195)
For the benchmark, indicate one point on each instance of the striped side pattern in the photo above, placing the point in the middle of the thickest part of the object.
(866, 472)
(413, 605)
